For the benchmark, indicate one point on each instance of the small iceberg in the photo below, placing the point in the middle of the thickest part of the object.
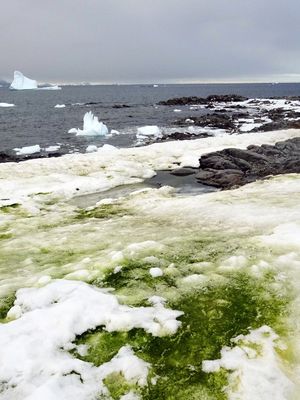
(60, 106)
(6, 105)
(27, 150)
(91, 126)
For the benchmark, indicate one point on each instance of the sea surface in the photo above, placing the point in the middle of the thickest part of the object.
(124, 108)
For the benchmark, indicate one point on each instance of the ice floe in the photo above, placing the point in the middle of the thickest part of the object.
(34, 351)
(6, 105)
(91, 126)
(60, 106)
(27, 150)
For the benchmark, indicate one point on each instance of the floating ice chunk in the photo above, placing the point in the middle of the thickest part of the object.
(150, 130)
(27, 150)
(155, 85)
(177, 110)
(189, 121)
(34, 348)
(6, 105)
(60, 106)
(52, 148)
(91, 148)
(155, 272)
(21, 82)
(52, 87)
(114, 132)
(91, 126)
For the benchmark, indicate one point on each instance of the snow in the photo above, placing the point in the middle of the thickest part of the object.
(91, 126)
(6, 105)
(91, 148)
(255, 372)
(60, 106)
(27, 150)
(110, 167)
(21, 82)
(35, 362)
(155, 272)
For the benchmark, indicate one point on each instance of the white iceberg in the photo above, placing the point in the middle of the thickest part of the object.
(21, 82)
(91, 126)
(6, 105)
(27, 150)
(60, 106)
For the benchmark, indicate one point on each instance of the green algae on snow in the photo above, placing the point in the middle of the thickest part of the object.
(102, 211)
(212, 317)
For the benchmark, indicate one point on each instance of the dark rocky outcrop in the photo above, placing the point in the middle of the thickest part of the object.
(214, 98)
(235, 167)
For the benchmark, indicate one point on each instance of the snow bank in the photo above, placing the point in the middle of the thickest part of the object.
(21, 82)
(91, 126)
(27, 150)
(35, 362)
(6, 105)
(110, 167)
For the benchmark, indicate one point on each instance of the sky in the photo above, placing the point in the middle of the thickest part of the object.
(150, 41)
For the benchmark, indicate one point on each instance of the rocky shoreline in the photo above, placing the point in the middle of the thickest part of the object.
(231, 168)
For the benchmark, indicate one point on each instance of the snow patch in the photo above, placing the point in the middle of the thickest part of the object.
(48, 320)
(254, 368)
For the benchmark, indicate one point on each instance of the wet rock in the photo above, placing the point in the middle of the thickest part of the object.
(183, 171)
(235, 167)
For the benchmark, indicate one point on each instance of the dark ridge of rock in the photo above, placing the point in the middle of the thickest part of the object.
(9, 157)
(278, 125)
(221, 121)
(235, 167)
(183, 136)
(120, 106)
(214, 98)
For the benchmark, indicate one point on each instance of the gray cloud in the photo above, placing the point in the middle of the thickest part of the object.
(150, 40)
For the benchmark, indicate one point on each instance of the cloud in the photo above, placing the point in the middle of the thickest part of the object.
(143, 40)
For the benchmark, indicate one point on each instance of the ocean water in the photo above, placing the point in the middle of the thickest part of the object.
(34, 120)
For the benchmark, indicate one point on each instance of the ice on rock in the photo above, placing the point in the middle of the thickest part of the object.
(91, 126)
(27, 150)
(21, 82)
(6, 105)
(148, 131)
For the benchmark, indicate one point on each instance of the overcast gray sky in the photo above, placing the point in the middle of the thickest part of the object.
(150, 40)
